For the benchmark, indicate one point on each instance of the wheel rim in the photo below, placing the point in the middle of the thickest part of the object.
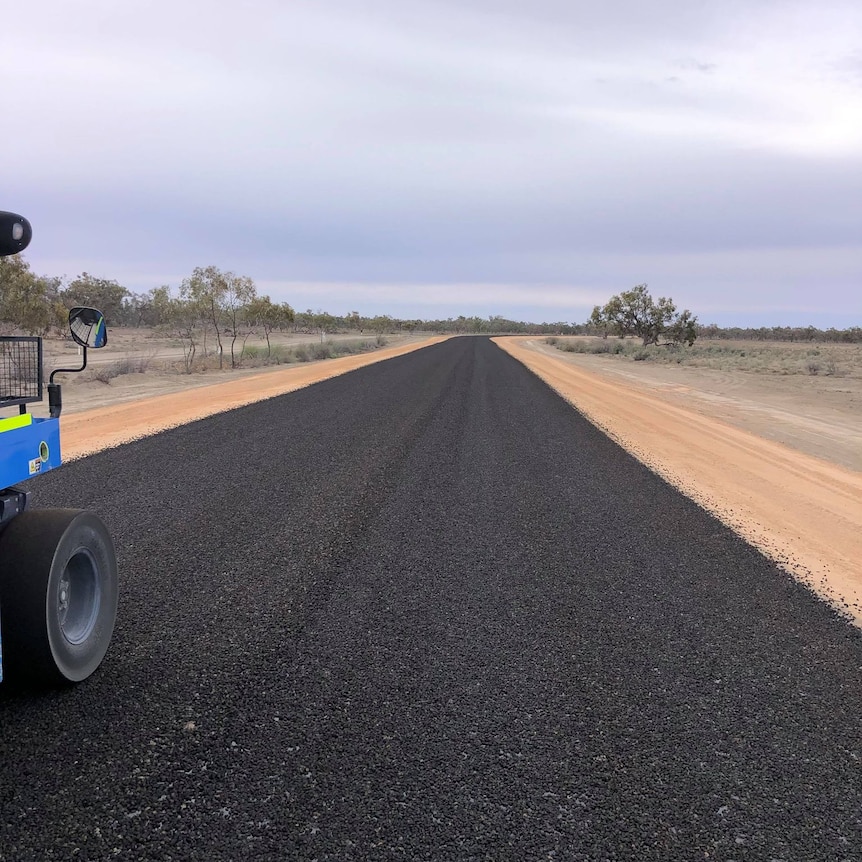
(78, 597)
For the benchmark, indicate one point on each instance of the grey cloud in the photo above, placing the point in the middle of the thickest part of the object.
(422, 142)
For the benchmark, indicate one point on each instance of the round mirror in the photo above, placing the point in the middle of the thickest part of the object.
(87, 326)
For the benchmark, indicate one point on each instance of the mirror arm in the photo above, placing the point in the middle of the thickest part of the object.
(68, 370)
(55, 395)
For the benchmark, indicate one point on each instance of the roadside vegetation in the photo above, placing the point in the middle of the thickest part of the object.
(831, 359)
(252, 357)
(219, 319)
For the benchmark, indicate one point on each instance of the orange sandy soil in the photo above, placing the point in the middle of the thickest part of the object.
(802, 511)
(799, 501)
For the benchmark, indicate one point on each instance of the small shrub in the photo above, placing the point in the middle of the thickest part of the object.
(107, 371)
(640, 355)
(104, 373)
(813, 368)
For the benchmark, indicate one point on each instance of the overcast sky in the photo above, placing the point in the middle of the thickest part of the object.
(428, 158)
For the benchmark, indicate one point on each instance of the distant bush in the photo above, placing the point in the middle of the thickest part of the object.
(105, 372)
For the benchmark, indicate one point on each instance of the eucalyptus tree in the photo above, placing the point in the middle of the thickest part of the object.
(102, 293)
(635, 312)
(219, 299)
(28, 301)
(263, 313)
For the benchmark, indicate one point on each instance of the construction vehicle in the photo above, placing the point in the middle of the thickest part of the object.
(58, 567)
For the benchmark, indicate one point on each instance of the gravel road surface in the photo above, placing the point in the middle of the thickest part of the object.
(426, 611)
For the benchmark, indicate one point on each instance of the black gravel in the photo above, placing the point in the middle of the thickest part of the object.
(426, 611)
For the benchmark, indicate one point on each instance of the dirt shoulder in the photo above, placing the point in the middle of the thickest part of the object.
(153, 365)
(89, 430)
(818, 415)
(802, 511)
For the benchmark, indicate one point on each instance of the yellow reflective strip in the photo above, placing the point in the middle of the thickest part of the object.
(12, 422)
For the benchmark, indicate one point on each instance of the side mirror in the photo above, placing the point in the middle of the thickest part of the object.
(15, 233)
(88, 327)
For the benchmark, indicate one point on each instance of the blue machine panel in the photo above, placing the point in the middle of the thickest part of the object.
(28, 451)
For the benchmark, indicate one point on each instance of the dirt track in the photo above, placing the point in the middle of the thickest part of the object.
(802, 512)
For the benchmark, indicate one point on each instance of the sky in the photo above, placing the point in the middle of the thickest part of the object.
(431, 158)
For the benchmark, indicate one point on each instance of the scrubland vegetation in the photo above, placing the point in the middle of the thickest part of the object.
(218, 319)
(829, 359)
(251, 356)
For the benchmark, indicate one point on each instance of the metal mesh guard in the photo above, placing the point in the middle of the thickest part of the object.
(20, 370)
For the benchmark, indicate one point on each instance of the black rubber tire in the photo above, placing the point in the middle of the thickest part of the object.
(58, 596)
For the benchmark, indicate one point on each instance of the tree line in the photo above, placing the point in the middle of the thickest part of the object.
(851, 335)
(216, 311)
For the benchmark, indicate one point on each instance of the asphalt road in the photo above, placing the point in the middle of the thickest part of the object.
(426, 611)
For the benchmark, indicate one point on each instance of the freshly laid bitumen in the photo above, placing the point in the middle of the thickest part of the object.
(426, 611)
